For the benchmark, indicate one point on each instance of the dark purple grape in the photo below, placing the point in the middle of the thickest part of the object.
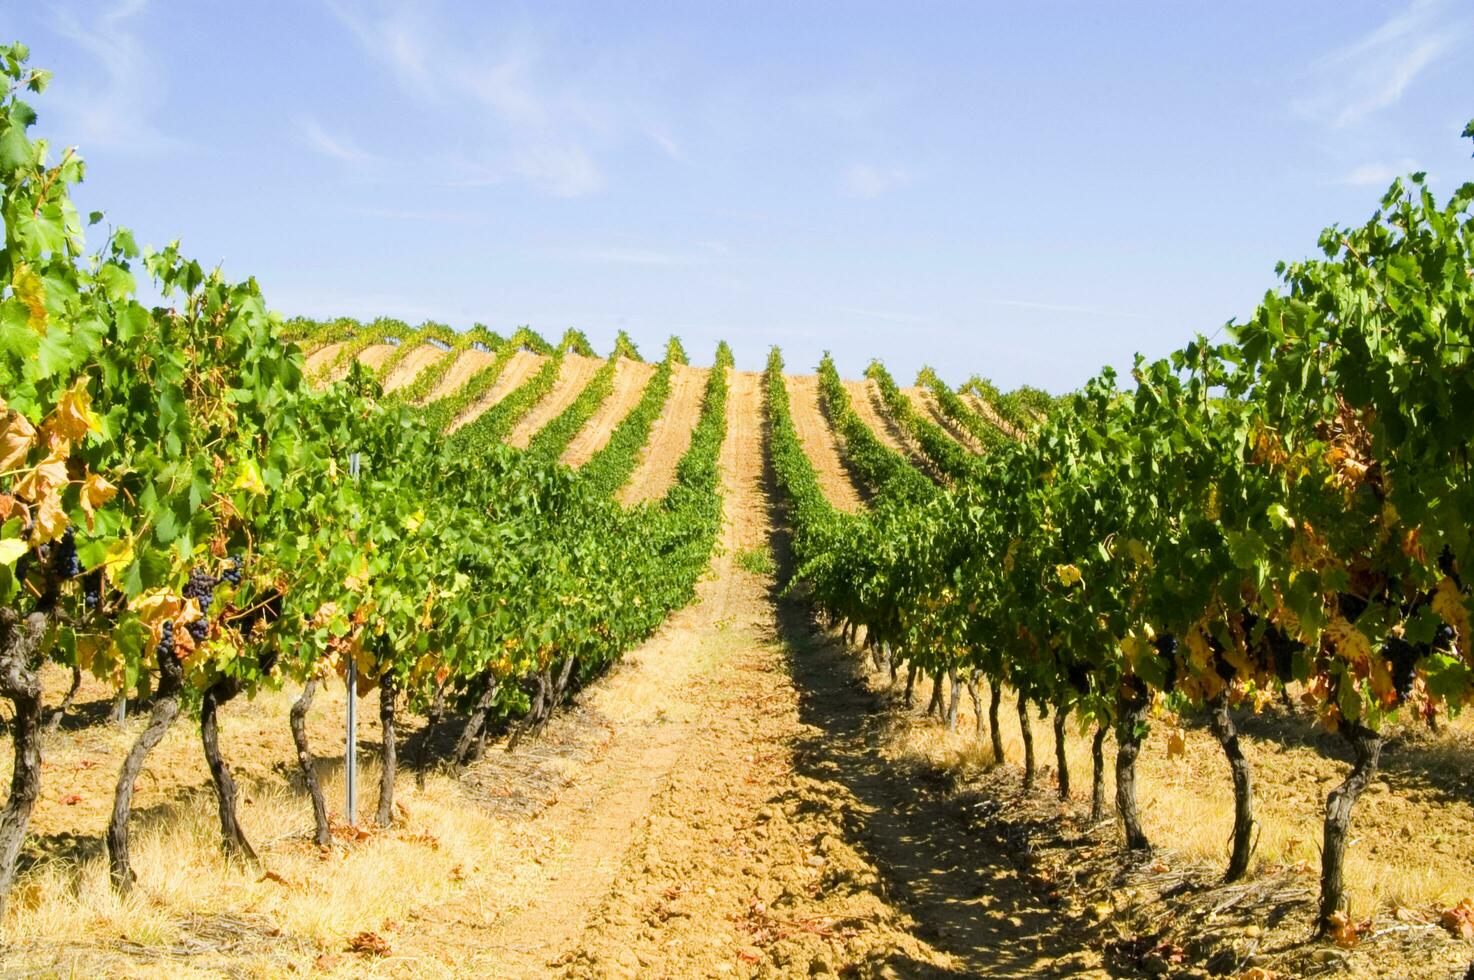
(166, 640)
(64, 562)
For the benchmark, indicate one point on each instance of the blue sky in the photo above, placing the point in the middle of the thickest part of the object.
(1028, 191)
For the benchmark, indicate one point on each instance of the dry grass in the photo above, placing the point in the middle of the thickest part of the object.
(191, 902)
(1406, 832)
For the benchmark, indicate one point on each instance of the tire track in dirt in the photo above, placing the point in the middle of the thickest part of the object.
(573, 376)
(926, 403)
(410, 366)
(669, 437)
(630, 379)
(523, 365)
(820, 443)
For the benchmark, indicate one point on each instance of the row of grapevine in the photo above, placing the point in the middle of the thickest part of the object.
(1287, 508)
(177, 510)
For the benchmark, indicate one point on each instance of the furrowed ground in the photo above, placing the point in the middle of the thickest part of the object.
(742, 795)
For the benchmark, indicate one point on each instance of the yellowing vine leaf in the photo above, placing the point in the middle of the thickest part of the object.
(1068, 575)
(96, 492)
(17, 436)
(31, 291)
(249, 479)
(73, 416)
(11, 550)
(50, 473)
(1449, 605)
(1350, 643)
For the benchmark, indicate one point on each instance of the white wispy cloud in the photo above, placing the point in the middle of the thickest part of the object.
(328, 144)
(1375, 71)
(864, 180)
(524, 114)
(118, 112)
(1376, 174)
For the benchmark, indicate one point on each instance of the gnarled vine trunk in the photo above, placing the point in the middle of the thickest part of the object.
(160, 718)
(1028, 736)
(20, 682)
(469, 745)
(995, 733)
(1131, 715)
(433, 718)
(389, 760)
(1062, 763)
(1097, 775)
(955, 700)
(322, 832)
(1366, 747)
(910, 683)
(1221, 721)
(934, 706)
(977, 702)
(232, 837)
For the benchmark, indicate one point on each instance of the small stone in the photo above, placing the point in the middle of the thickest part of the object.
(819, 966)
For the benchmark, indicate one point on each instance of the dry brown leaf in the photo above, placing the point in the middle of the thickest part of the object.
(1343, 931)
(1459, 920)
(370, 943)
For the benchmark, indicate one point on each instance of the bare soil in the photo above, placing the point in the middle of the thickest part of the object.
(671, 434)
(926, 403)
(410, 366)
(573, 377)
(522, 366)
(630, 378)
(821, 444)
(467, 363)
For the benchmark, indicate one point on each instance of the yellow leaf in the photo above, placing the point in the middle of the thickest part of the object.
(1068, 574)
(412, 523)
(50, 518)
(119, 557)
(1176, 745)
(1448, 603)
(49, 473)
(11, 549)
(1349, 642)
(157, 605)
(249, 479)
(73, 416)
(17, 436)
(96, 492)
(30, 290)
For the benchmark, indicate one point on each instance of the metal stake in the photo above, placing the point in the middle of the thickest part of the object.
(350, 752)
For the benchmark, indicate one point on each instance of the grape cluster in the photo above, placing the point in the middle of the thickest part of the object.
(64, 561)
(1403, 656)
(92, 590)
(201, 587)
(232, 573)
(166, 640)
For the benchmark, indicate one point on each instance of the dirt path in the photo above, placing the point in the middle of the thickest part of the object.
(410, 366)
(319, 359)
(466, 363)
(989, 415)
(926, 403)
(670, 436)
(523, 365)
(820, 443)
(690, 844)
(573, 377)
(865, 397)
(630, 378)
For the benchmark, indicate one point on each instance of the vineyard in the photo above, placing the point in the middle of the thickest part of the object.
(675, 669)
